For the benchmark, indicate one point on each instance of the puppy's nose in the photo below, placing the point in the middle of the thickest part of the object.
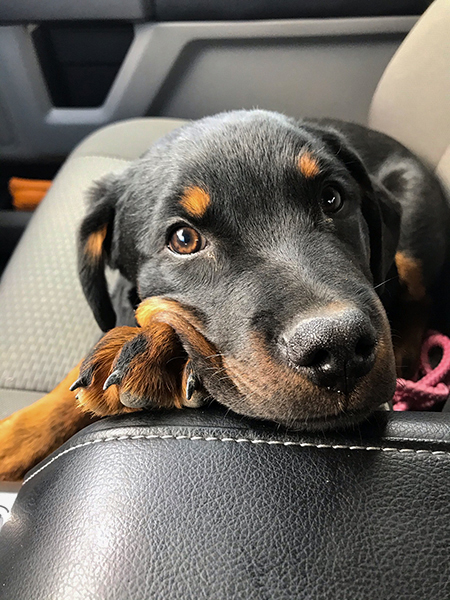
(334, 350)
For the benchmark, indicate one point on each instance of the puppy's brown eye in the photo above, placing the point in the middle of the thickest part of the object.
(186, 241)
(332, 200)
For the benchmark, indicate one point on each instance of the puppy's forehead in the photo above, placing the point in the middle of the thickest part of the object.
(221, 145)
(235, 156)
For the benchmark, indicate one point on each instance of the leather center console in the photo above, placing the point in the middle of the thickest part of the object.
(204, 504)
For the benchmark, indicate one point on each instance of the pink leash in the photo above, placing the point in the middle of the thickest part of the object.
(430, 386)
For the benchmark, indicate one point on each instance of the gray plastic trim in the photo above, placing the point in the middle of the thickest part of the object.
(161, 57)
(26, 11)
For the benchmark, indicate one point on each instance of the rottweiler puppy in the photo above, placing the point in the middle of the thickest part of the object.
(266, 257)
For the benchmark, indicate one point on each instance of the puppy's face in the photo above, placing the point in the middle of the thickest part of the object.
(270, 237)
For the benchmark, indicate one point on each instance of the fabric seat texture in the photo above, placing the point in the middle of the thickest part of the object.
(45, 322)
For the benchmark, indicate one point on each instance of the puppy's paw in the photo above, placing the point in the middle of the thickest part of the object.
(95, 370)
(130, 374)
(133, 368)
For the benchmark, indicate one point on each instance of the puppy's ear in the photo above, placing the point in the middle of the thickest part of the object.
(381, 211)
(94, 250)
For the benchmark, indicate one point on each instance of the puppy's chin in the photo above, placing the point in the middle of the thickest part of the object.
(274, 392)
(342, 420)
(300, 414)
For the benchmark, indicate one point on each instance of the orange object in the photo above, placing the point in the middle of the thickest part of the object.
(27, 193)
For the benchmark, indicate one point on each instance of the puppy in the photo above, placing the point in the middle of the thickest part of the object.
(267, 257)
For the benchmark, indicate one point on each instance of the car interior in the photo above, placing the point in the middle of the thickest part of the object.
(203, 503)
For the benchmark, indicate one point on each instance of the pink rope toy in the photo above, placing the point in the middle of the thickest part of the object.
(430, 386)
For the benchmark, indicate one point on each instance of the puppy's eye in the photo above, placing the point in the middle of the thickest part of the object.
(186, 240)
(331, 199)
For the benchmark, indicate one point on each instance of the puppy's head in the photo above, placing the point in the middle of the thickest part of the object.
(268, 239)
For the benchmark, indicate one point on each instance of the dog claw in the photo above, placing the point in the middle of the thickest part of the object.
(195, 395)
(114, 379)
(191, 386)
(82, 382)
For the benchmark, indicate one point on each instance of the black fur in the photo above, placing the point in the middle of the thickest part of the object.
(273, 257)
(92, 273)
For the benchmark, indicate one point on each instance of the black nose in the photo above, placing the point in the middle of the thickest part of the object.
(334, 350)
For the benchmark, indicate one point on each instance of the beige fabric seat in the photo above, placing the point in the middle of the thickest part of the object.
(45, 324)
(412, 100)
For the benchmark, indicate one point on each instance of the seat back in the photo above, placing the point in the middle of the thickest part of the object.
(412, 100)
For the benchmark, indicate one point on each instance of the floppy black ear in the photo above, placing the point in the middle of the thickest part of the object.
(94, 250)
(382, 213)
(381, 210)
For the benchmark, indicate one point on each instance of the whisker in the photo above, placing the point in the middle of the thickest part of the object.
(216, 371)
(386, 281)
(214, 355)
(175, 358)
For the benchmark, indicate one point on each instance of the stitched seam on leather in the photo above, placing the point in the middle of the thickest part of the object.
(198, 438)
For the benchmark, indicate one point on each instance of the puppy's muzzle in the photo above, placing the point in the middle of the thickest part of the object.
(333, 350)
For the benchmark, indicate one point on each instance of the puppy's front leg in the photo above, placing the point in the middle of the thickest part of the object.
(129, 368)
(132, 368)
(30, 434)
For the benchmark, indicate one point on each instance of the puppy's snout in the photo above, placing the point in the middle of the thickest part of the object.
(333, 350)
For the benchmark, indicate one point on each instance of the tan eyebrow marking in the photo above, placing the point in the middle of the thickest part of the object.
(195, 201)
(308, 165)
(94, 244)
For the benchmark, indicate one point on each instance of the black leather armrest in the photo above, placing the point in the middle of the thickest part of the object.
(199, 504)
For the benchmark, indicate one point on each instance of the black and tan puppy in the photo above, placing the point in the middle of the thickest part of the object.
(259, 248)
(267, 243)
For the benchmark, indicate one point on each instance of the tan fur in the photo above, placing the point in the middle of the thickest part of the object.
(93, 398)
(195, 201)
(182, 321)
(308, 165)
(94, 244)
(410, 274)
(30, 434)
(149, 308)
(156, 373)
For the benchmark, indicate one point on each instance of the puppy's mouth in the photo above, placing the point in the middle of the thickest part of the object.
(257, 385)
(279, 393)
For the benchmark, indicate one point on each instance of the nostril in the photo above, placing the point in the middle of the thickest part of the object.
(318, 358)
(365, 347)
